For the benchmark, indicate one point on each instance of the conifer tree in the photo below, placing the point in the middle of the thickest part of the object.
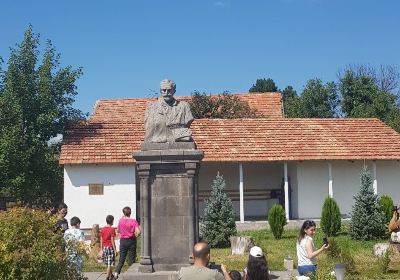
(367, 220)
(218, 221)
(330, 217)
(277, 220)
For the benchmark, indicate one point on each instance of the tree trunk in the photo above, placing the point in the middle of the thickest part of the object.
(241, 244)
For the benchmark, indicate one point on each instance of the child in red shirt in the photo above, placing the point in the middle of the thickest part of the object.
(108, 245)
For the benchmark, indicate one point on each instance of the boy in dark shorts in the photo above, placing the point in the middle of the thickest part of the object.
(108, 245)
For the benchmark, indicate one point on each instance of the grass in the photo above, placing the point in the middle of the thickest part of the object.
(367, 265)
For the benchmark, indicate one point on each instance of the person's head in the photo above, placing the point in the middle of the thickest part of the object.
(110, 220)
(75, 222)
(201, 253)
(257, 264)
(235, 275)
(167, 90)
(62, 209)
(127, 211)
(308, 228)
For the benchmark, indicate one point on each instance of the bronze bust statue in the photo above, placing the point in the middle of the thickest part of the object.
(167, 119)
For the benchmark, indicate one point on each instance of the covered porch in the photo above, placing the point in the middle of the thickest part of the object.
(254, 187)
(299, 186)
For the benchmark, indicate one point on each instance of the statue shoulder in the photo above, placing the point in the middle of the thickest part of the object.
(184, 104)
(153, 105)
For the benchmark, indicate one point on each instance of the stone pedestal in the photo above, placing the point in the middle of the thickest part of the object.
(168, 205)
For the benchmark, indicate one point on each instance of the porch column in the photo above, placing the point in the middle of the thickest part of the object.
(134, 193)
(286, 188)
(330, 188)
(241, 205)
(375, 184)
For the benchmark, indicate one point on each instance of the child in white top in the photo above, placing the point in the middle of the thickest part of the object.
(73, 237)
(306, 253)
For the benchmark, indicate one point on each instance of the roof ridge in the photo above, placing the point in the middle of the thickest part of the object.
(188, 96)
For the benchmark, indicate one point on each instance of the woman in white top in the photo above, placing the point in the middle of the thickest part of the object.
(306, 253)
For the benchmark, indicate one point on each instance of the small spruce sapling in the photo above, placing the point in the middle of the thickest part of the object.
(218, 221)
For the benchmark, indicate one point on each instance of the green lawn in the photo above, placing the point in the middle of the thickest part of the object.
(362, 251)
(366, 264)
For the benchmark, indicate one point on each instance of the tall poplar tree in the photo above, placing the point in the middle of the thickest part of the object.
(36, 97)
(370, 93)
(318, 100)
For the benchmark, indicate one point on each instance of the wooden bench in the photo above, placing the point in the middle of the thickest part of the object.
(248, 194)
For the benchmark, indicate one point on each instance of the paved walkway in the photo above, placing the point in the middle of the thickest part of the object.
(95, 275)
(275, 275)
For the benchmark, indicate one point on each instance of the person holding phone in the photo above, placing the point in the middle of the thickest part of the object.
(201, 270)
(306, 253)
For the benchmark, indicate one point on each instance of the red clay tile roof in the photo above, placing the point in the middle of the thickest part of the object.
(296, 139)
(115, 131)
(268, 105)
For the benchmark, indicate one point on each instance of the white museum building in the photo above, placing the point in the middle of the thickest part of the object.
(266, 160)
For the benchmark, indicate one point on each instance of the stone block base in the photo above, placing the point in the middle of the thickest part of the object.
(133, 274)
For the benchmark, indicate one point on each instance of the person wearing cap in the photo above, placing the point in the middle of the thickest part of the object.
(257, 268)
(199, 270)
(168, 119)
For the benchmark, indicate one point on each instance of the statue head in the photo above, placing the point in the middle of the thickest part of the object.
(167, 90)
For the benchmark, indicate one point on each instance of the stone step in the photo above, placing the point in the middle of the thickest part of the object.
(133, 274)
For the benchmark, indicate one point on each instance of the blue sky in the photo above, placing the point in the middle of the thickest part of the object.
(127, 47)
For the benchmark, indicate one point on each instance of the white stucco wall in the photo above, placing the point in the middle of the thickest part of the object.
(312, 188)
(388, 179)
(346, 182)
(119, 191)
(313, 184)
(308, 180)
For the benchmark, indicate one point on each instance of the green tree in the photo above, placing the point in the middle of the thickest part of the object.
(223, 106)
(290, 102)
(35, 106)
(218, 221)
(368, 94)
(330, 217)
(318, 100)
(367, 220)
(277, 220)
(387, 206)
(264, 85)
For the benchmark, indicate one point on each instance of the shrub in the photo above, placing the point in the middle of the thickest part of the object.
(367, 220)
(386, 205)
(31, 248)
(384, 261)
(218, 221)
(341, 255)
(330, 217)
(277, 220)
